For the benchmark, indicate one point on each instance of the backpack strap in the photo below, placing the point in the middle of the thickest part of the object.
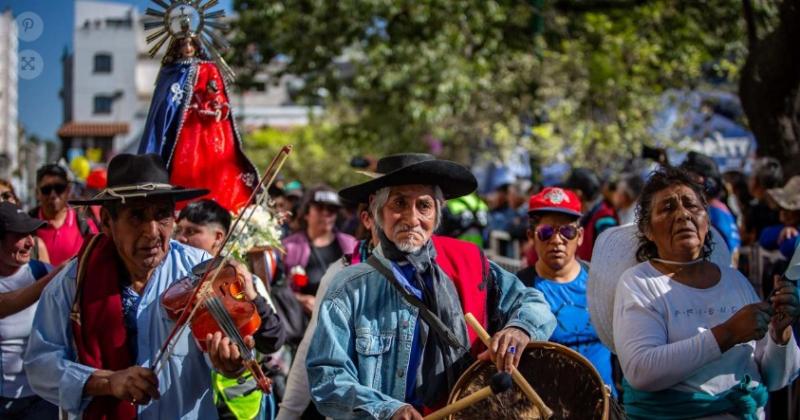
(436, 325)
(38, 269)
(83, 225)
(35, 249)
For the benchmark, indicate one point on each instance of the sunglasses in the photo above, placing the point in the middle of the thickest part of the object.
(6, 196)
(545, 232)
(58, 188)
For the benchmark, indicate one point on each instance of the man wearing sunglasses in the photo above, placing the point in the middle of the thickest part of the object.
(554, 215)
(66, 228)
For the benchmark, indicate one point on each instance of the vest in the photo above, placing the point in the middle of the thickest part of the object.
(468, 268)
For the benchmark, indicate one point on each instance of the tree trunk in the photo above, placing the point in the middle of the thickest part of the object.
(770, 87)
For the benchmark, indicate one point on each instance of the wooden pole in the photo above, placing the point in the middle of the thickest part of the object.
(461, 404)
(520, 380)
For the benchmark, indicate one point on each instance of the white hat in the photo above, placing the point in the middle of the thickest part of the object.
(614, 252)
(793, 269)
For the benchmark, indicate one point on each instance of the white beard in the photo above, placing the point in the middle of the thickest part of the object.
(408, 247)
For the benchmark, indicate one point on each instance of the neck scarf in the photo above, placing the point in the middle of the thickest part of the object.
(441, 364)
(98, 328)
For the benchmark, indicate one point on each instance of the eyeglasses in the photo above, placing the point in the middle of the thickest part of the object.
(6, 196)
(58, 188)
(545, 232)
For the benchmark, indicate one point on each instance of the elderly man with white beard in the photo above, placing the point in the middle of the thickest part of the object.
(391, 339)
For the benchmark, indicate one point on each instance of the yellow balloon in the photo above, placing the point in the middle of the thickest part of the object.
(80, 167)
(94, 154)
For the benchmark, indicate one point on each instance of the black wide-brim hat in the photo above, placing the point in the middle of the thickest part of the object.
(453, 179)
(137, 177)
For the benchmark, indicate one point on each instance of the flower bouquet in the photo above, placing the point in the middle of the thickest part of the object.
(261, 230)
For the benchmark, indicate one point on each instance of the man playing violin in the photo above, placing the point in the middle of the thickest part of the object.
(99, 324)
(391, 338)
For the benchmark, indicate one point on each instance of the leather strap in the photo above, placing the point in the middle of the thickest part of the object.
(433, 321)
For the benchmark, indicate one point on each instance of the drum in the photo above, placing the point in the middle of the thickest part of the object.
(567, 383)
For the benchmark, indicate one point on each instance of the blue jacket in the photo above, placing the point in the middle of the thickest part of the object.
(358, 358)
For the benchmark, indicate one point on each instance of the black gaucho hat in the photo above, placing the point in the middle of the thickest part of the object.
(139, 176)
(415, 168)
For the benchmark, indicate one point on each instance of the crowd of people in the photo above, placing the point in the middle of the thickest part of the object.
(363, 315)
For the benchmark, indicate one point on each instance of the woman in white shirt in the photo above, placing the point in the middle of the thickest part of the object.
(693, 339)
(18, 273)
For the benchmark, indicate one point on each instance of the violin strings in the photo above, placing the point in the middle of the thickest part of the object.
(214, 307)
(217, 310)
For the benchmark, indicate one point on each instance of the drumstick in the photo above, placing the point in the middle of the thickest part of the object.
(518, 378)
(500, 382)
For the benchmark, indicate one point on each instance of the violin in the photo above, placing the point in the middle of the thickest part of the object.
(224, 292)
(211, 299)
(221, 306)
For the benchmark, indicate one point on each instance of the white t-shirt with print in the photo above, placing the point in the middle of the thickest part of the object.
(662, 334)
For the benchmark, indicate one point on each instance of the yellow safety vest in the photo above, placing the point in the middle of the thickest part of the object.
(240, 395)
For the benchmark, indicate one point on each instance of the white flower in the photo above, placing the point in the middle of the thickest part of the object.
(259, 227)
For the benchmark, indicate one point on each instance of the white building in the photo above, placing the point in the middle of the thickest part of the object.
(109, 81)
(9, 132)
(100, 96)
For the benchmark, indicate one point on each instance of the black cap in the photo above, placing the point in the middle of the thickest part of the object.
(585, 181)
(701, 165)
(14, 219)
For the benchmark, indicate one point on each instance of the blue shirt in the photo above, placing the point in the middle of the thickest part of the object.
(184, 382)
(769, 240)
(722, 219)
(573, 327)
(403, 273)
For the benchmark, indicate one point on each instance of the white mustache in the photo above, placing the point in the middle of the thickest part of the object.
(406, 228)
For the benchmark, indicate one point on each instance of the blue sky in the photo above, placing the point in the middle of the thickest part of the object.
(40, 107)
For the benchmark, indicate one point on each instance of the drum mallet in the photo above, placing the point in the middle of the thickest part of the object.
(500, 382)
(520, 380)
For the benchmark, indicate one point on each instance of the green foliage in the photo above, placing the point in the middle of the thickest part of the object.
(316, 155)
(587, 75)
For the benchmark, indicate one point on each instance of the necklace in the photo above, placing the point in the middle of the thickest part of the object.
(681, 263)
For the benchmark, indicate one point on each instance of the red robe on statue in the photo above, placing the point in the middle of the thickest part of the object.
(206, 155)
(191, 126)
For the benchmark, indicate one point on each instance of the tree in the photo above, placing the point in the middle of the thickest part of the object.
(770, 81)
(316, 156)
(585, 75)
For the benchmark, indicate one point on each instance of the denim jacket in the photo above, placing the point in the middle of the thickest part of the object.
(358, 359)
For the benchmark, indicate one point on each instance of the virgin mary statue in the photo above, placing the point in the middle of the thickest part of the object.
(190, 121)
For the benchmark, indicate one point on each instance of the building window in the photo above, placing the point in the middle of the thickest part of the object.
(102, 104)
(102, 63)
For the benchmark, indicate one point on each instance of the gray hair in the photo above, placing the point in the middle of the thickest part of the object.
(382, 196)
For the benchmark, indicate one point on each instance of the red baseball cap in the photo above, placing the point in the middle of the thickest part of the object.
(554, 199)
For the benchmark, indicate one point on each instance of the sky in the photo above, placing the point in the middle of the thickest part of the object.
(40, 107)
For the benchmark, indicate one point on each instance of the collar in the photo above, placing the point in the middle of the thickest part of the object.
(69, 221)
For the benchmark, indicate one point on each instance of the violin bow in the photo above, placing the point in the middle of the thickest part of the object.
(259, 194)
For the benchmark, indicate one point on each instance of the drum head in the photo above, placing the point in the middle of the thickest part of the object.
(567, 383)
